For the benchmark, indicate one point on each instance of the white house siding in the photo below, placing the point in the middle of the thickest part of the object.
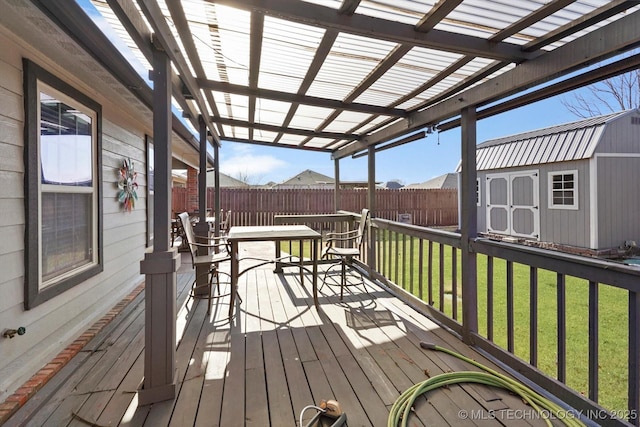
(55, 323)
(618, 200)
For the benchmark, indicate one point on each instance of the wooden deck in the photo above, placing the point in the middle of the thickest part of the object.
(278, 356)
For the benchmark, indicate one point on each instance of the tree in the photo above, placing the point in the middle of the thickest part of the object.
(615, 94)
(248, 178)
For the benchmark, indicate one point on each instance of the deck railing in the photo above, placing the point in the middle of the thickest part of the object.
(569, 324)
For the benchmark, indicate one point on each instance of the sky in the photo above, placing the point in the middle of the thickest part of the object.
(414, 162)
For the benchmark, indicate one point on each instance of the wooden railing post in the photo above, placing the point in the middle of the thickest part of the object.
(634, 357)
(202, 226)
(469, 226)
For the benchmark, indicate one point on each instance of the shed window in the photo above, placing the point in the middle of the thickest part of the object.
(62, 162)
(563, 190)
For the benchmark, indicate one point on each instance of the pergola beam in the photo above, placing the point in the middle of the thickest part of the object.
(600, 44)
(536, 16)
(318, 59)
(611, 8)
(273, 145)
(298, 98)
(368, 26)
(441, 9)
(348, 7)
(622, 66)
(389, 61)
(255, 49)
(275, 128)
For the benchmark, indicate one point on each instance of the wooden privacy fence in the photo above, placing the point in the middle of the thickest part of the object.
(257, 206)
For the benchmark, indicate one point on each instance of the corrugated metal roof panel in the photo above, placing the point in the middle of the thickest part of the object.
(569, 141)
(307, 117)
(284, 60)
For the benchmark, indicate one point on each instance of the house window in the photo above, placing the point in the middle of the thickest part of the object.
(563, 190)
(63, 243)
(478, 192)
(150, 191)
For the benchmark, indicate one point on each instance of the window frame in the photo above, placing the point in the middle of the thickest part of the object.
(551, 204)
(35, 293)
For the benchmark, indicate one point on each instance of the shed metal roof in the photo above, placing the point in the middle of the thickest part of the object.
(341, 75)
(569, 141)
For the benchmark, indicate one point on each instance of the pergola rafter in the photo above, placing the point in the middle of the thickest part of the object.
(182, 26)
(252, 93)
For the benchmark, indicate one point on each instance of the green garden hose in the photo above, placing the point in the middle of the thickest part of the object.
(401, 409)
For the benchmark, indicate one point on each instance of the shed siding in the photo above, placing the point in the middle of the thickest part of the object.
(618, 200)
(622, 135)
(565, 226)
(482, 206)
(53, 324)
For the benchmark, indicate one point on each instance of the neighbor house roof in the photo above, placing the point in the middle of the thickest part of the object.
(565, 142)
(225, 181)
(308, 177)
(392, 185)
(447, 180)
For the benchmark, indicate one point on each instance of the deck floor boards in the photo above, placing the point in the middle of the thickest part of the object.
(278, 355)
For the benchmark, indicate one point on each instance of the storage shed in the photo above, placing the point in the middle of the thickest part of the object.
(575, 184)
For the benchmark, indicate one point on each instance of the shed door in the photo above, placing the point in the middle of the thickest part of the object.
(512, 204)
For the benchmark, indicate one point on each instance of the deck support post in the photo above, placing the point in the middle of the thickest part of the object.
(336, 190)
(160, 265)
(371, 242)
(469, 225)
(201, 229)
(217, 209)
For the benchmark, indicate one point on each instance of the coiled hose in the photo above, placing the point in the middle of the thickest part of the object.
(399, 415)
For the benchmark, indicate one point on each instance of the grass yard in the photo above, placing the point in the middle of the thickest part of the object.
(613, 315)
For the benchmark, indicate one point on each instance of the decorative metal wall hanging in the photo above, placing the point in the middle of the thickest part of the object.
(127, 185)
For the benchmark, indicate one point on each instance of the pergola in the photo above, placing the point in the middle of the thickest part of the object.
(347, 77)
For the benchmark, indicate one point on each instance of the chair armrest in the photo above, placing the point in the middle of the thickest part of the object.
(342, 239)
(215, 245)
(329, 241)
(210, 238)
(344, 233)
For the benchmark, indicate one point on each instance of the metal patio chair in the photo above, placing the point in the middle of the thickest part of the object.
(210, 261)
(344, 247)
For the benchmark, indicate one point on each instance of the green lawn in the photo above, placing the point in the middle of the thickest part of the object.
(613, 316)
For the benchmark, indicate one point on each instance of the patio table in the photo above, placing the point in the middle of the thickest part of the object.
(274, 233)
